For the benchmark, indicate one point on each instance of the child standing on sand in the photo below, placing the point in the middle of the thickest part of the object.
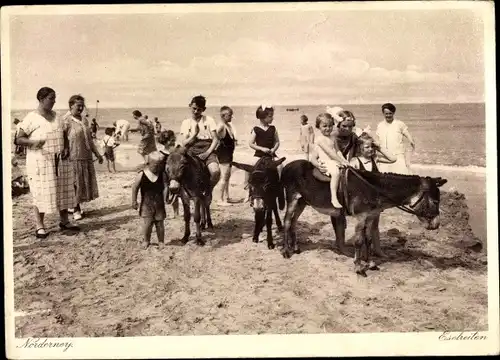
(264, 138)
(109, 144)
(152, 182)
(329, 153)
(225, 151)
(306, 135)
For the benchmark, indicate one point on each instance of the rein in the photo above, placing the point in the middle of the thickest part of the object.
(404, 208)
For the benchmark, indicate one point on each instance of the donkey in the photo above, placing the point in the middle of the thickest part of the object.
(265, 188)
(189, 178)
(364, 195)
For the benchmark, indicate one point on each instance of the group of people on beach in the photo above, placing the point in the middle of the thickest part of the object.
(60, 165)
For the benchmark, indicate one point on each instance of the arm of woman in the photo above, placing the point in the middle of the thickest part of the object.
(386, 158)
(276, 143)
(407, 134)
(24, 140)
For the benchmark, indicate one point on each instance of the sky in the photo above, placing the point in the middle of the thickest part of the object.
(246, 58)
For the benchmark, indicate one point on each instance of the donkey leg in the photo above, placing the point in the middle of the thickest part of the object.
(370, 237)
(208, 215)
(359, 242)
(279, 225)
(290, 209)
(197, 218)
(203, 223)
(301, 205)
(339, 224)
(187, 219)
(375, 231)
(259, 225)
(269, 227)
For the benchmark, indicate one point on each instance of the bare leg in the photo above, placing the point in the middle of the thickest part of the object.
(375, 234)
(108, 163)
(39, 221)
(359, 245)
(114, 168)
(334, 184)
(146, 232)
(160, 230)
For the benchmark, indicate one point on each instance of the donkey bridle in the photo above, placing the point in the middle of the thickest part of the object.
(405, 208)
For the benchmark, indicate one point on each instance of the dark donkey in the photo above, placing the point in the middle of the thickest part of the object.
(364, 195)
(189, 178)
(265, 188)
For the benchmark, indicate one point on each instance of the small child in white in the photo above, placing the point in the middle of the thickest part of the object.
(109, 145)
(329, 153)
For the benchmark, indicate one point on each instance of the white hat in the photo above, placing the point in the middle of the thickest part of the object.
(334, 111)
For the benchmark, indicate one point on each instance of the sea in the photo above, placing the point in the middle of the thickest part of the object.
(445, 134)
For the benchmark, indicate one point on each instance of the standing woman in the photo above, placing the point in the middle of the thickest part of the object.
(81, 148)
(227, 142)
(148, 143)
(50, 174)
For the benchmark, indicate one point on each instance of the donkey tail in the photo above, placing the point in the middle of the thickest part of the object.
(281, 196)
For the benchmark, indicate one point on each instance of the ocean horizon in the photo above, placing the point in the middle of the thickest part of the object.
(446, 134)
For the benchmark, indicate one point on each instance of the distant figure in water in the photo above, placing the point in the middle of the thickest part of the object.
(153, 185)
(148, 143)
(157, 126)
(306, 135)
(94, 126)
(122, 127)
(390, 133)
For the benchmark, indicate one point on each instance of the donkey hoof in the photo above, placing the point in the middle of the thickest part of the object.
(200, 242)
(360, 270)
(255, 240)
(270, 246)
(286, 253)
(297, 251)
(185, 239)
(210, 225)
(373, 266)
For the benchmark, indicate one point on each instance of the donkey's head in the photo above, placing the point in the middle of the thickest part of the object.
(263, 178)
(425, 204)
(175, 167)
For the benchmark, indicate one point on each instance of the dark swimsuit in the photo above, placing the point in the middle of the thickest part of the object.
(152, 201)
(374, 165)
(264, 138)
(225, 150)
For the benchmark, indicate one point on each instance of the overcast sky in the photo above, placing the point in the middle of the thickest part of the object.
(316, 57)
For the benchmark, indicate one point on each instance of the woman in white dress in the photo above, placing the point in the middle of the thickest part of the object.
(50, 174)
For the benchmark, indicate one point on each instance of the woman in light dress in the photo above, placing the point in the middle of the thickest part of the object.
(50, 174)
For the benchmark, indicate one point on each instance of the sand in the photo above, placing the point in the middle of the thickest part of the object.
(100, 283)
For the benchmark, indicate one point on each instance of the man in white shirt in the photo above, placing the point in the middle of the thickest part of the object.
(122, 127)
(390, 133)
(199, 135)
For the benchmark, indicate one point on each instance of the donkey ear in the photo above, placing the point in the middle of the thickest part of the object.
(279, 161)
(245, 167)
(440, 182)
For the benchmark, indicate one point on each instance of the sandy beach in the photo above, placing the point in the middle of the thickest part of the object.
(99, 283)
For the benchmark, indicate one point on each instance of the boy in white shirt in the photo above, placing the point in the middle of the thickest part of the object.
(199, 135)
